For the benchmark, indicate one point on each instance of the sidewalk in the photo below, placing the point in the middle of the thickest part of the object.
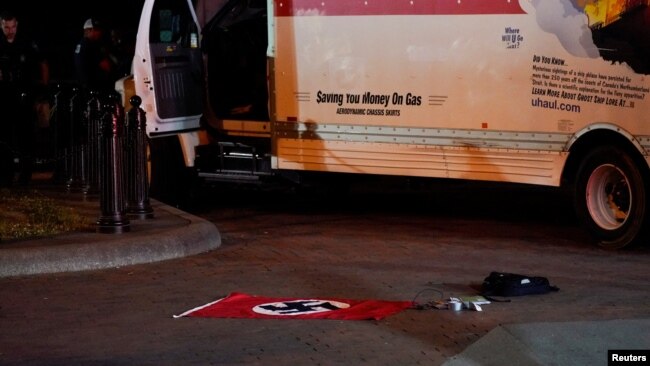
(171, 233)
(559, 343)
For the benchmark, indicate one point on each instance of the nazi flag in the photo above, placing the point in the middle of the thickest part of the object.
(240, 305)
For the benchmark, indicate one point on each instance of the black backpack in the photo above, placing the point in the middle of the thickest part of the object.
(510, 284)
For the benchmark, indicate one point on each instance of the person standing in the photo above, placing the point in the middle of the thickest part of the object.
(24, 72)
(94, 66)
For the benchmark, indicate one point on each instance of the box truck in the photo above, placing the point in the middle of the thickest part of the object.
(542, 92)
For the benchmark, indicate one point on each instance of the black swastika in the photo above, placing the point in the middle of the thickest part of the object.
(301, 307)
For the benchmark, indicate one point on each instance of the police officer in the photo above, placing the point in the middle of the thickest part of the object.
(93, 62)
(23, 73)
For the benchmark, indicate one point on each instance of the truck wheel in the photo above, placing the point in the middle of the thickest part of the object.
(610, 197)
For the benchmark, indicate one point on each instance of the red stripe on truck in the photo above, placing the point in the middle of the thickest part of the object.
(294, 8)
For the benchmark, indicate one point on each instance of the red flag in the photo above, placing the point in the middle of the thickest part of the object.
(239, 305)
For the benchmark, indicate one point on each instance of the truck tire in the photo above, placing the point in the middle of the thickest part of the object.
(610, 197)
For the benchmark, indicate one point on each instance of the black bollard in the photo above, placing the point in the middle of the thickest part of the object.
(113, 217)
(93, 115)
(137, 184)
(77, 165)
(60, 133)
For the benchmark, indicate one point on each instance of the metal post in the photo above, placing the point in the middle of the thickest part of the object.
(137, 184)
(76, 180)
(60, 126)
(113, 217)
(93, 115)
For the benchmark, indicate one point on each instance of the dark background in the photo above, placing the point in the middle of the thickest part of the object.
(57, 26)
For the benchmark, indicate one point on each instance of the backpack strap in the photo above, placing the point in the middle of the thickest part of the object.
(488, 297)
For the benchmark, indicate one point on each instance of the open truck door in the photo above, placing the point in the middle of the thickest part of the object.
(168, 76)
(168, 67)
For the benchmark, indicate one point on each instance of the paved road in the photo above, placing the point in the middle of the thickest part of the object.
(379, 247)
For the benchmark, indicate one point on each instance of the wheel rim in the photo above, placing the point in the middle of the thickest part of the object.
(608, 197)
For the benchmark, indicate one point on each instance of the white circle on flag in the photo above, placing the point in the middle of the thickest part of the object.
(299, 307)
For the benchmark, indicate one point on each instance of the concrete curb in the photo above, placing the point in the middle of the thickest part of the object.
(172, 233)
